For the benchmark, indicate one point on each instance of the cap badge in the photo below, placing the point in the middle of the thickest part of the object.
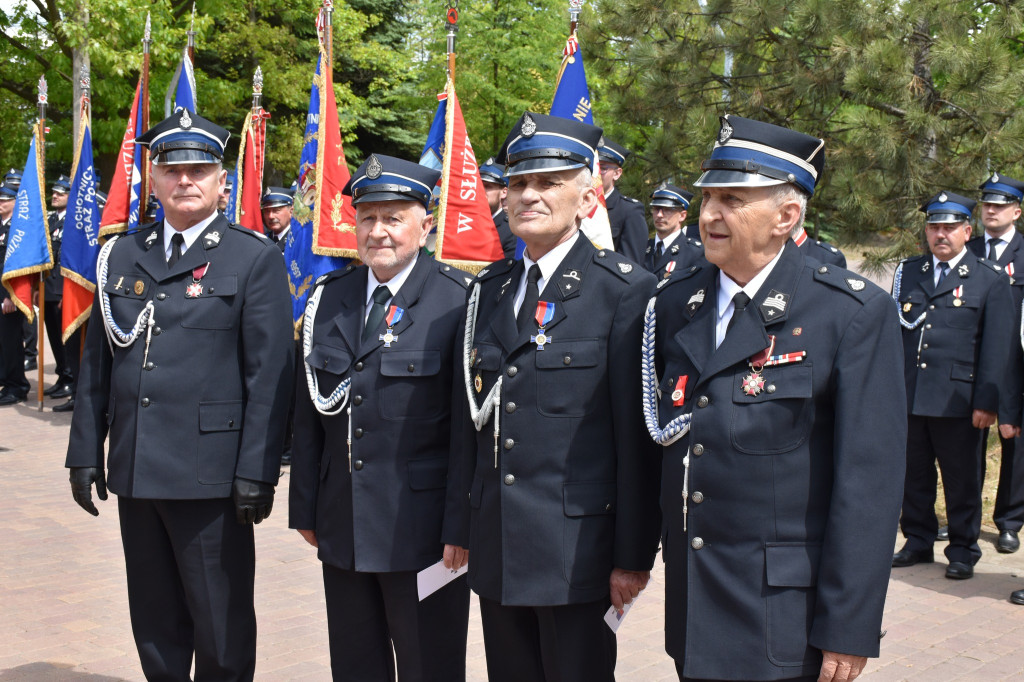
(995, 177)
(725, 133)
(373, 167)
(943, 198)
(489, 161)
(529, 126)
(185, 122)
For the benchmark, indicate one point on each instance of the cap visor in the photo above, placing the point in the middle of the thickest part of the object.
(947, 218)
(389, 196)
(541, 165)
(732, 178)
(184, 156)
(995, 198)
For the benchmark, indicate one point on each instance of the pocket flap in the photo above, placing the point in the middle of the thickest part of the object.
(410, 363)
(792, 381)
(428, 474)
(329, 359)
(587, 499)
(792, 564)
(220, 286)
(488, 358)
(127, 284)
(961, 372)
(220, 416)
(558, 355)
(967, 301)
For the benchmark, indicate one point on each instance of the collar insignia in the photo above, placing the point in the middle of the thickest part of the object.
(211, 239)
(774, 305)
(963, 270)
(695, 301)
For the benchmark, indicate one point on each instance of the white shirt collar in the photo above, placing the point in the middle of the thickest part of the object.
(951, 262)
(280, 235)
(1006, 236)
(190, 235)
(610, 192)
(393, 284)
(548, 263)
(727, 288)
(667, 241)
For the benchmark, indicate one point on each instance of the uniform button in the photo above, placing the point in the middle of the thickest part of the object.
(771, 388)
(822, 270)
(702, 401)
(411, 367)
(567, 360)
(509, 479)
(509, 443)
(924, 365)
(697, 497)
(357, 400)
(924, 346)
(145, 402)
(359, 366)
(697, 543)
(510, 407)
(212, 290)
(161, 296)
(150, 365)
(698, 449)
(600, 254)
(927, 326)
(357, 465)
(231, 422)
(931, 307)
(608, 507)
(512, 371)
(358, 433)
(156, 331)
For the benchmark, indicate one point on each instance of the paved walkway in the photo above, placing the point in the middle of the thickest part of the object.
(64, 611)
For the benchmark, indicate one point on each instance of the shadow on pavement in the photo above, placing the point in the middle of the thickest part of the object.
(51, 672)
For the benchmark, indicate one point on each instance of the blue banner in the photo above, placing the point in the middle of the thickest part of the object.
(572, 96)
(80, 244)
(28, 239)
(185, 93)
(304, 267)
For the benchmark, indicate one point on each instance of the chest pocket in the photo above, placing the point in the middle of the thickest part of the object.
(330, 364)
(963, 316)
(916, 301)
(779, 418)
(567, 378)
(485, 365)
(128, 293)
(214, 308)
(411, 387)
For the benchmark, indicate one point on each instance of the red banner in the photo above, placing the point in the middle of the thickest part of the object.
(466, 237)
(130, 173)
(251, 158)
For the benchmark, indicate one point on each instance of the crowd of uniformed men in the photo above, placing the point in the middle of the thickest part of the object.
(720, 392)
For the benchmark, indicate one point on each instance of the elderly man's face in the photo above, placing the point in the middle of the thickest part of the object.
(667, 220)
(189, 192)
(545, 209)
(946, 240)
(389, 234)
(743, 228)
(276, 218)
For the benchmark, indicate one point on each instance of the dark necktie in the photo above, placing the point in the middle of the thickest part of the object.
(381, 295)
(176, 243)
(943, 271)
(659, 249)
(529, 306)
(992, 244)
(739, 301)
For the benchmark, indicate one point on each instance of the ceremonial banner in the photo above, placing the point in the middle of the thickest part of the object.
(129, 188)
(304, 264)
(334, 220)
(185, 93)
(80, 245)
(244, 206)
(572, 100)
(466, 237)
(28, 239)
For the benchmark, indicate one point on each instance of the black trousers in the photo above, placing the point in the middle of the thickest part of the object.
(548, 643)
(679, 671)
(953, 442)
(190, 568)
(53, 323)
(12, 354)
(1008, 513)
(369, 613)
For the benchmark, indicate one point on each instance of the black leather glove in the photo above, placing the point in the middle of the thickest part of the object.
(82, 479)
(253, 500)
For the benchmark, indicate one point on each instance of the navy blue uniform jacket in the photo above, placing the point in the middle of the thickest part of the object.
(386, 513)
(629, 227)
(956, 361)
(794, 492)
(208, 403)
(572, 491)
(684, 252)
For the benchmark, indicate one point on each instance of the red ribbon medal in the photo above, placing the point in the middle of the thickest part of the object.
(753, 383)
(195, 289)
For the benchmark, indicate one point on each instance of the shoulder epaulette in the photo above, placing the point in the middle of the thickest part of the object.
(677, 276)
(631, 199)
(335, 274)
(494, 269)
(624, 268)
(827, 247)
(844, 280)
(457, 275)
(991, 264)
(253, 233)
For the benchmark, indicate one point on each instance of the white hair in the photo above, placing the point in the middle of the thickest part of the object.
(789, 192)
